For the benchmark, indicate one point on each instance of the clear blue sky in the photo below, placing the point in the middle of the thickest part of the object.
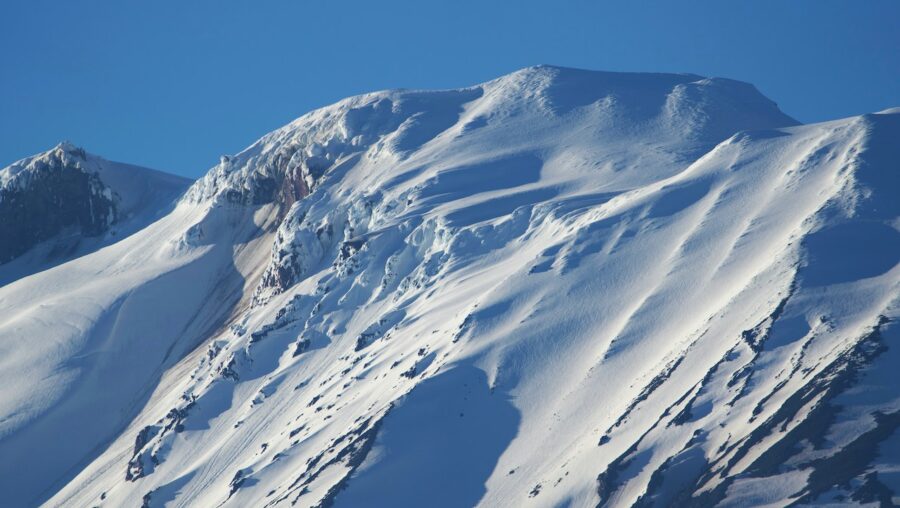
(173, 84)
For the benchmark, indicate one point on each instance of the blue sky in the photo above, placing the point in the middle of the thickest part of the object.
(174, 84)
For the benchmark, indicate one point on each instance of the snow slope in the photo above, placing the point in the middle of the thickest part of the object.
(560, 287)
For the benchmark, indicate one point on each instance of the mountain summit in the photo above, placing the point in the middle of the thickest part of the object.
(560, 287)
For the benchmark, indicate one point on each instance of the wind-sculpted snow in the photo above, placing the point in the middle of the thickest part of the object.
(560, 287)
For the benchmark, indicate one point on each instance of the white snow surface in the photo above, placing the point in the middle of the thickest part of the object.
(557, 288)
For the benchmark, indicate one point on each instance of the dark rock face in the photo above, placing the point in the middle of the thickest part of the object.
(284, 179)
(59, 195)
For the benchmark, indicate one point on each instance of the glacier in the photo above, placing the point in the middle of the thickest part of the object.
(557, 288)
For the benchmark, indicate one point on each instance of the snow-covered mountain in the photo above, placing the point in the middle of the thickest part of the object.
(557, 288)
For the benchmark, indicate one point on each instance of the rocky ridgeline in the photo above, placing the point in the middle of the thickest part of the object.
(48, 194)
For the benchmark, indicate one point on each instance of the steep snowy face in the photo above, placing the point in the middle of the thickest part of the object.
(68, 195)
(560, 287)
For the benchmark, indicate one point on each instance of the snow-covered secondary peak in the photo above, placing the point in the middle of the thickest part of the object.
(130, 183)
(557, 288)
(64, 156)
(58, 198)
